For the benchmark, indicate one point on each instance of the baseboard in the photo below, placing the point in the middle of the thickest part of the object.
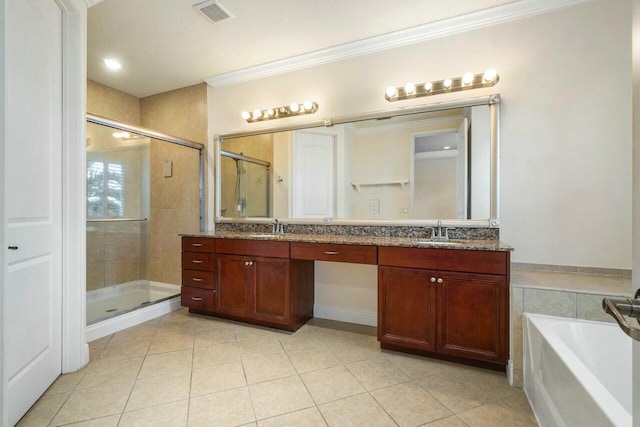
(132, 318)
(359, 317)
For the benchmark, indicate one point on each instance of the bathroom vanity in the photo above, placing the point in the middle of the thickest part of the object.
(445, 300)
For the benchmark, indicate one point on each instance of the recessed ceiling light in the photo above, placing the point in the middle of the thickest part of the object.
(112, 64)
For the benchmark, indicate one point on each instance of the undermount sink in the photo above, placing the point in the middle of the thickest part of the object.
(263, 236)
(437, 242)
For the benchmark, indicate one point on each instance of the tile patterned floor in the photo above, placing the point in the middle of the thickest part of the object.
(186, 370)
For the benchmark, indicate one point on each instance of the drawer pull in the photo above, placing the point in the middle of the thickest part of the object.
(196, 279)
(331, 252)
(196, 245)
(196, 298)
(197, 261)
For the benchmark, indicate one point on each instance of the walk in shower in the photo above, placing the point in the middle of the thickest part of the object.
(144, 189)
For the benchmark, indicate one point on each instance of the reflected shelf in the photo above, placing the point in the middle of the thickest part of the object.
(358, 185)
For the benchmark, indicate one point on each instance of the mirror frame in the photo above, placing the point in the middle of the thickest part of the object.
(493, 101)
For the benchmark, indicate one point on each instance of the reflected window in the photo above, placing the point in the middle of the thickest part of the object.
(105, 189)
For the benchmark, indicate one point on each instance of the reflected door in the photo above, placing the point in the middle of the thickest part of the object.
(313, 175)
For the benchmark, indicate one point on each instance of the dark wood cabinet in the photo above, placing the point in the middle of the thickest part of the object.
(233, 285)
(458, 311)
(271, 290)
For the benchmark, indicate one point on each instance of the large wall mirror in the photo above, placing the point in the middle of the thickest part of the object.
(399, 166)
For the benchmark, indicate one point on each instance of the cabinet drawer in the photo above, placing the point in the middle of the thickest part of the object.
(197, 298)
(253, 248)
(198, 278)
(197, 261)
(358, 254)
(487, 262)
(198, 244)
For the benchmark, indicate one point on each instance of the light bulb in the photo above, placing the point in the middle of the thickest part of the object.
(446, 147)
(246, 115)
(270, 112)
(257, 114)
(428, 86)
(294, 107)
(491, 75)
(391, 91)
(308, 105)
(112, 64)
(409, 88)
(283, 109)
(447, 84)
(467, 79)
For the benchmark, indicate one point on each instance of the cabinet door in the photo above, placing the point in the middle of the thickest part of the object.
(232, 285)
(473, 316)
(271, 290)
(406, 307)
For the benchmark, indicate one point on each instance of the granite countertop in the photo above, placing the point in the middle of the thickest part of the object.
(474, 245)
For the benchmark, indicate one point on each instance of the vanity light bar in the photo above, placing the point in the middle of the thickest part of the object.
(295, 109)
(467, 81)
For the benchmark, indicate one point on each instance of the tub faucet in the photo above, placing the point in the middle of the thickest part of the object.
(436, 233)
(623, 310)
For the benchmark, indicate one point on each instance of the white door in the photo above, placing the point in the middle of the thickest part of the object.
(33, 167)
(313, 175)
(462, 170)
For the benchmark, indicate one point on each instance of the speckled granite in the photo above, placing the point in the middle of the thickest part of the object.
(474, 245)
(461, 233)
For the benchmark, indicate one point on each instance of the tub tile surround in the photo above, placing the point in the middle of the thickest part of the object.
(163, 382)
(569, 292)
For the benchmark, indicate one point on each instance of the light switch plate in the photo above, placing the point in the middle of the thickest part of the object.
(167, 169)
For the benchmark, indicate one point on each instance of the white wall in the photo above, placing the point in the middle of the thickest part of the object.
(565, 79)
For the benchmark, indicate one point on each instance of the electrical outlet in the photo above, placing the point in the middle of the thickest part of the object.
(374, 206)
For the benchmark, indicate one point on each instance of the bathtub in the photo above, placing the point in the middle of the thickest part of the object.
(577, 372)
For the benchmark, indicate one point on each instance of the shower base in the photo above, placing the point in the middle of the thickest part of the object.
(119, 307)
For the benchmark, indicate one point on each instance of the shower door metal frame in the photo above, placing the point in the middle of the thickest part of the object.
(92, 118)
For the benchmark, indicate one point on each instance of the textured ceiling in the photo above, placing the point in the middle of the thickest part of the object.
(167, 44)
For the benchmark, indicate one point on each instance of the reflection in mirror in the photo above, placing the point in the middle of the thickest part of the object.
(428, 165)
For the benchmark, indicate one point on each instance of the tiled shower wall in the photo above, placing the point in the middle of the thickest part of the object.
(174, 200)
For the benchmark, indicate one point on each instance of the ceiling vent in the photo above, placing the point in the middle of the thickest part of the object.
(214, 10)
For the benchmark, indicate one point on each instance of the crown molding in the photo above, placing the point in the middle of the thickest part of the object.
(90, 3)
(432, 30)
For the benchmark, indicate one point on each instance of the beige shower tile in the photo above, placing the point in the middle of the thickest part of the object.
(553, 303)
(158, 390)
(517, 344)
(226, 408)
(517, 307)
(214, 378)
(377, 373)
(268, 367)
(589, 307)
(95, 275)
(172, 414)
(94, 402)
(312, 359)
(108, 371)
(409, 405)
(309, 417)
(166, 363)
(279, 397)
(167, 343)
(360, 410)
(331, 384)
(114, 272)
(215, 354)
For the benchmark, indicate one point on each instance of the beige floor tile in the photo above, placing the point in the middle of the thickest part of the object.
(67, 382)
(147, 329)
(215, 354)
(226, 408)
(359, 410)
(409, 405)
(309, 417)
(279, 397)
(172, 414)
(108, 371)
(126, 348)
(94, 402)
(452, 421)
(519, 402)
(496, 415)
(377, 373)
(214, 378)
(246, 331)
(313, 359)
(416, 366)
(172, 328)
(354, 349)
(158, 390)
(109, 421)
(301, 339)
(180, 315)
(166, 343)
(266, 368)
(175, 362)
(253, 424)
(214, 336)
(259, 346)
(43, 411)
(204, 323)
(331, 384)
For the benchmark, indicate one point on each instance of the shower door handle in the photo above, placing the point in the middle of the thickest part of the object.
(13, 248)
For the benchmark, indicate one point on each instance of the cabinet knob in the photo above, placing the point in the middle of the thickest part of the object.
(433, 280)
(250, 262)
(440, 280)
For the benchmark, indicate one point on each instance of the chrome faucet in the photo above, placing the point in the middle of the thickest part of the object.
(436, 233)
(277, 227)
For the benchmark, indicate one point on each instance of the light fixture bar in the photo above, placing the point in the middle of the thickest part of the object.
(467, 81)
(295, 109)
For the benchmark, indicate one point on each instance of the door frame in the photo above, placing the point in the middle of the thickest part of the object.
(75, 351)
